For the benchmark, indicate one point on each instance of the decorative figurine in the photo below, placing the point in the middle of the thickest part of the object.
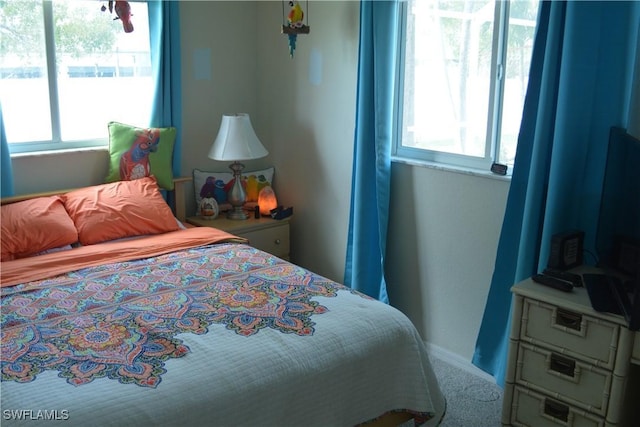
(296, 15)
(295, 25)
(208, 208)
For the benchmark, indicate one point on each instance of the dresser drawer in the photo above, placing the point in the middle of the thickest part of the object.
(532, 409)
(274, 240)
(636, 347)
(575, 334)
(579, 383)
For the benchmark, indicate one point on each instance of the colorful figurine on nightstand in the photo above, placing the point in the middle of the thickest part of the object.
(208, 208)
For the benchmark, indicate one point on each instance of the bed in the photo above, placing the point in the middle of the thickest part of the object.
(158, 324)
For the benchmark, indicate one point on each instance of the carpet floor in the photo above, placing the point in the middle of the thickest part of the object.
(472, 401)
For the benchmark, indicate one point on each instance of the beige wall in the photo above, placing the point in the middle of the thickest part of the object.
(223, 32)
(442, 246)
(60, 170)
(444, 226)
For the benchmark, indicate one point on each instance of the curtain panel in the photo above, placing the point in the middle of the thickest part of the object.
(579, 86)
(6, 178)
(164, 32)
(369, 215)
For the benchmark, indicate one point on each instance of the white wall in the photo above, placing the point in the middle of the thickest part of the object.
(443, 236)
(303, 111)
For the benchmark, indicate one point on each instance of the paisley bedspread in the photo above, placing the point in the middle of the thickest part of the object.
(120, 320)
(221, 332)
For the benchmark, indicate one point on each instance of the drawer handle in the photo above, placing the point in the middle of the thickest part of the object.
(556, 410)
(562, 365)
(277, 241)
(568, 319)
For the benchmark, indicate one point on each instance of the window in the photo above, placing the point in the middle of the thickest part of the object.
(67, 68)
(464, 68)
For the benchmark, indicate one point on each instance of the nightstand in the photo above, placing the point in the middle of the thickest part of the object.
(568, 365)
(269, 235)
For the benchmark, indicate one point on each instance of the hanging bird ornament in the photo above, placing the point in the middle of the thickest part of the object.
(294, 19)
(295, 25)
(296, 15)
(123, 12)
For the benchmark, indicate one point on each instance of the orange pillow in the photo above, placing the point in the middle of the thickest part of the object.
(35, 225)
(119, 209)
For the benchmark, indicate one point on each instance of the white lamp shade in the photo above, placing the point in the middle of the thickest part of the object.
(236, 140)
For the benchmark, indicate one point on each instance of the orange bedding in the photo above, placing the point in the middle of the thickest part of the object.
(52, 264)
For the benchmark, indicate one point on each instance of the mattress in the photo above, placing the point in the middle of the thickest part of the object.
(216, 334)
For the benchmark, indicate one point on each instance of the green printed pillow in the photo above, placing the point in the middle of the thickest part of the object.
(137, 152)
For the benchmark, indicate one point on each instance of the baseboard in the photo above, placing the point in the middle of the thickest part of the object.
(457, 361)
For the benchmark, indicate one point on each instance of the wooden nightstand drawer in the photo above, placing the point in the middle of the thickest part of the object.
(575, 334)
(534, 409)
(579, 383)
(266, 234)
(274, 240)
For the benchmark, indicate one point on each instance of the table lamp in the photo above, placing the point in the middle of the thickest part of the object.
(236, 141)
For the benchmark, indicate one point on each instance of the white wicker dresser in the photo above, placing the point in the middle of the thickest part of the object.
(569, 365)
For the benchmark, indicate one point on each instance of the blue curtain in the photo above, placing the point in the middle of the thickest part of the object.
(579, 86)
(7, 173)
(164, 29)
(368, 219)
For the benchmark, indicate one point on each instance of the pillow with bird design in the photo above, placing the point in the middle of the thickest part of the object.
(139, 152)
(218, 184)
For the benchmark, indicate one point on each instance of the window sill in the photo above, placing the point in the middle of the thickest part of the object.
(45, 153)
(452, 168)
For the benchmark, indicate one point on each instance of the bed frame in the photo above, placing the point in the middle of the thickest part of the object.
(178, 201)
